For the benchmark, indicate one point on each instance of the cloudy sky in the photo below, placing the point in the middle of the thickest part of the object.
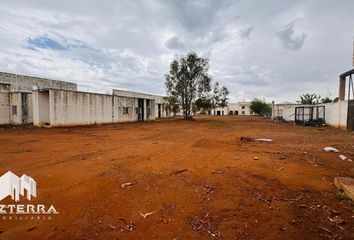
(271, 49)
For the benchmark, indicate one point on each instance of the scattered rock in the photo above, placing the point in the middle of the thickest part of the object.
(264, 140)
(255, 158)
(330, 149)
(342, 157)
(128, 184)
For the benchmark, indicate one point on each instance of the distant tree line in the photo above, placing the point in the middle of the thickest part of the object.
(312, 98)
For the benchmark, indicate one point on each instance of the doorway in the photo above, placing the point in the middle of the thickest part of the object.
(159, 110)
(141, 110)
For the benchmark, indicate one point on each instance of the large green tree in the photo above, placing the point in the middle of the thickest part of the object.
(260, 107)
(189, 82)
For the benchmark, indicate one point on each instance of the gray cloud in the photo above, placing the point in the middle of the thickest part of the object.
(247, 33)
(129, 44)
(175, 43)
(290, 39)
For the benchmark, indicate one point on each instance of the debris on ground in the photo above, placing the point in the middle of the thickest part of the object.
(217, 172)
(205, 224)
(330, 149)
(248, 139)
(128, 226)
(346, 185)
(31, 228)
(255, 158)
(145, 215)
(337, 221)
(344, 158)
(264, 139)
(127, 184)
(329, 235)
(178, 171)
(111, 226)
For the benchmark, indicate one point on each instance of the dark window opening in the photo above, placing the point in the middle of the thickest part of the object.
(125, 110)
(14, 109)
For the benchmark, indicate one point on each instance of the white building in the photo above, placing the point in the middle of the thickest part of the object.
(240, 108)
(44, 102)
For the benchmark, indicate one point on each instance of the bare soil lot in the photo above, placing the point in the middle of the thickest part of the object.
(196, 178)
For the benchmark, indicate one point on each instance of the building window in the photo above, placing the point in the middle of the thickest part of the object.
(14, 109)
(137, 110)
(125, 110)
(243, 112)
(243, 107)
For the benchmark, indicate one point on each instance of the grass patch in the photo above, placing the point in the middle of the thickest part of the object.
(341, 195)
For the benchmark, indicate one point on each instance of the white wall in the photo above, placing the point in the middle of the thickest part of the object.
(126, 102)
(43, 106)
(15, 101)
(285, 111)
(4, 104)
(336, 114)
(23, 83)
(69, 108)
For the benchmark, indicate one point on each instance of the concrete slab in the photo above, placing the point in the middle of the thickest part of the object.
(347, 184)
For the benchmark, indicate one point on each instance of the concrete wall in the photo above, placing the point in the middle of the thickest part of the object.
(285, 111)
(4, 104)
(336, 114)
(126, 102)
(40, 101)
(69, 108)
(15, 108)
(124, 93)
(22, 83)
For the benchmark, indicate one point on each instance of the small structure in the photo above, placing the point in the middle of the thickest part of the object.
(310, 115)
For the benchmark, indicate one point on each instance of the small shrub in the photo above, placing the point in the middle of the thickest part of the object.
(341, 195)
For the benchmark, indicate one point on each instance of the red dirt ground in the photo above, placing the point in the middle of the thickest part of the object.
(288, 193)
